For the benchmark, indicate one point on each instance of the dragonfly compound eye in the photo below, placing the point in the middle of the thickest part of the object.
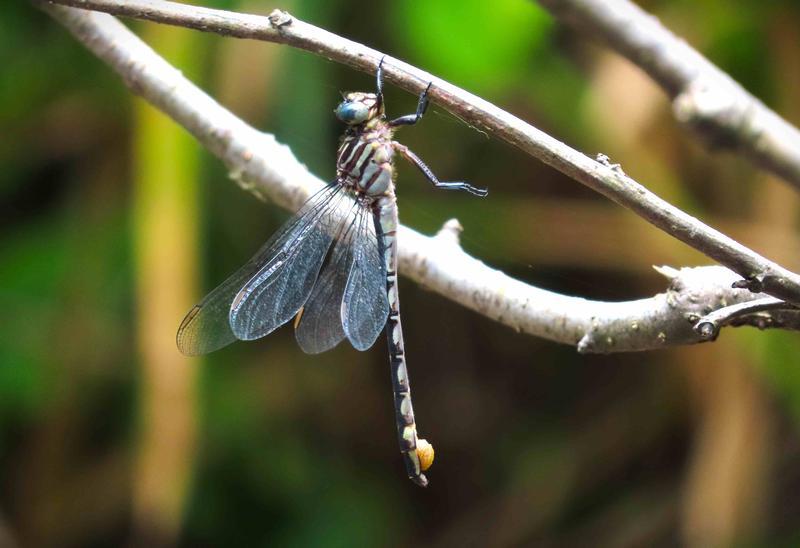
(424, 454)
(352, 112)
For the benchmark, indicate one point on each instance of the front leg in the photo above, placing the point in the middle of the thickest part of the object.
(379, 83)
(456, 185)
(411, 119)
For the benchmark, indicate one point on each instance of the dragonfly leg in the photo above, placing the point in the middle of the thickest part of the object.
(379, 83)
(447, 185)
(411, 119)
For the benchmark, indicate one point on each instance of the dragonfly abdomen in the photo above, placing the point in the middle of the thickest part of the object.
(385, 211)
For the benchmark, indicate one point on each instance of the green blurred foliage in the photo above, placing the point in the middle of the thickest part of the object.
(535, 444)
(776, 354)
(486, 44)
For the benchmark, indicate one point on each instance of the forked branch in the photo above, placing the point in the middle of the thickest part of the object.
(263, 166)
(281, 27)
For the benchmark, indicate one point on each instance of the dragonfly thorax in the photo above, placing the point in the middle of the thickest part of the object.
(365, 158)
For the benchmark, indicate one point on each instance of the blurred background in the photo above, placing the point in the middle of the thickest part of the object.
(114, 222)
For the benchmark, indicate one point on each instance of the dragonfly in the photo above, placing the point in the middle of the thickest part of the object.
(333, 266)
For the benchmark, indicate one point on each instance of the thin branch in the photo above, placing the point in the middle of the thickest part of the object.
(704, 98)
(263, 166)
(611, 182)
(709, 325)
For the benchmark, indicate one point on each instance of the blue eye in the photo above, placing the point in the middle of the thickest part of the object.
(352, 112)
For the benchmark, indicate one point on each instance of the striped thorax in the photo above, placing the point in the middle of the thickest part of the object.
(364, 160)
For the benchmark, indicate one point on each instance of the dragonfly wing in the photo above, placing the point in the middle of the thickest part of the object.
(365, 307)
(207, 325)
(206, 328)
(320, 326)
(284, 282)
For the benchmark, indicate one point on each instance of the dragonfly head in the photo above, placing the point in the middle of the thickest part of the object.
(358, 107)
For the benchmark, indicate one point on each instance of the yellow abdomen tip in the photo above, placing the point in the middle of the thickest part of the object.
(424, 454)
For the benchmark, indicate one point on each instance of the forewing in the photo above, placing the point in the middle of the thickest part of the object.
(207, 325)
(284, 282)
(320, 326)
(365, 307)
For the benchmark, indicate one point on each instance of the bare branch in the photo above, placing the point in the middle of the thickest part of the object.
(263, 166)
(708, 101)
(610, 181)
(708, 326)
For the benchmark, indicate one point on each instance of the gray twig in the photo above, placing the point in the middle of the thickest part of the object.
(708, 101)
(265, 167)
(283, 28)
(709, 325)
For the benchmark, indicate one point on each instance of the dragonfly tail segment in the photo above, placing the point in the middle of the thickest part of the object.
(386, 222)
(404, 412)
